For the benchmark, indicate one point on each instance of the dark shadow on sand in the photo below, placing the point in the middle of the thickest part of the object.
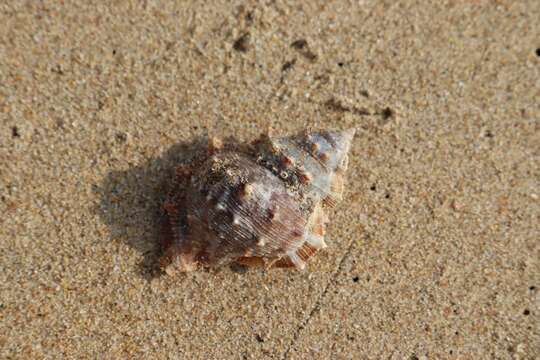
(131, 201)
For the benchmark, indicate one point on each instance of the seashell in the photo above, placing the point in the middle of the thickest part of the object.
(262, 203)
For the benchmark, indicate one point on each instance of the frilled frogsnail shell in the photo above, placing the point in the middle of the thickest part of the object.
(262, 203)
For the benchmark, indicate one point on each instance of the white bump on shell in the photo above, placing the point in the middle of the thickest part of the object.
(220, 206)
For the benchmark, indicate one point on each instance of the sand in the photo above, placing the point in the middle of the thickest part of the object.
(433, 254)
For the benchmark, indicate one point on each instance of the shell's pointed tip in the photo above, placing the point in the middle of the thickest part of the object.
(346, 136)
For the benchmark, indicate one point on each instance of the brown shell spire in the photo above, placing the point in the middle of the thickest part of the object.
(262, 205)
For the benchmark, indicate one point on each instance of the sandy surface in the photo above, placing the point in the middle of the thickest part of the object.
(434, 253)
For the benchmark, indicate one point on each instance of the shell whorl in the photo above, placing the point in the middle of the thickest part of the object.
(263, 206)
(315, 161)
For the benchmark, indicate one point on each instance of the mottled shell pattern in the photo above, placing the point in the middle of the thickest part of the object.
(262, 203)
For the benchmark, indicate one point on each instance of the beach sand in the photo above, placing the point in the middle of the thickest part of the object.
(433, 253)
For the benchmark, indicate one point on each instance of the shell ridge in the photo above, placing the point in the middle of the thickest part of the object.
(306, 251)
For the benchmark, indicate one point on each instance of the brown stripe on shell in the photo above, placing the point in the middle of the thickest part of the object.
(304, 253)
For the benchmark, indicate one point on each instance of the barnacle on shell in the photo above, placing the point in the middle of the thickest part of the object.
(259, 204)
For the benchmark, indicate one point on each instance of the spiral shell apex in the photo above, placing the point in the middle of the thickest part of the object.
(262, 203)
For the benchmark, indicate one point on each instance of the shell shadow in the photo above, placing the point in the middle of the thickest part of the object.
(130, 201)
